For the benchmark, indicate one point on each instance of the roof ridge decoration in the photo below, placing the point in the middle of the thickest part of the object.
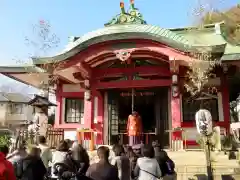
(132, 16)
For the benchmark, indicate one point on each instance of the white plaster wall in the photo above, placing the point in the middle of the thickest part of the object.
(95, 110)
(192, 134)
(70, 134)
(26, 115)
(63, 110)
(3, 113)
(220, 107)
(105, 120)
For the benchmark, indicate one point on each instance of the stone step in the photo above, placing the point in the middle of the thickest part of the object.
(192, 165)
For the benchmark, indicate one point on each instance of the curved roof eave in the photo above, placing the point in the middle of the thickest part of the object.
(122, 32)
(21, 69)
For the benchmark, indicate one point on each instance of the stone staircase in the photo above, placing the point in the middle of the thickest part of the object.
(191, 165)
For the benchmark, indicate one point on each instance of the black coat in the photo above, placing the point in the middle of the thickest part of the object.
(70, 168)
(30, 168)
(162, 159)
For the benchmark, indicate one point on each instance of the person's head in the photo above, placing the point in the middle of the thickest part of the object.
(114, 147)
(148, 151)
(103, 153)
(4, 149)
(69, 142)
(118, 150)
(137, 149)
(21, 150)
(78, 153)
(42, 140)
(158, 148)
(35, 152)
(63, 146)
(115, 140)
(125, 147)
(130, 152)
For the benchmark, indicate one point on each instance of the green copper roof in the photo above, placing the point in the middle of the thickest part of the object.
(21, 69)
(133, 16)
(120, 32)
(207, 39)
(212, 35)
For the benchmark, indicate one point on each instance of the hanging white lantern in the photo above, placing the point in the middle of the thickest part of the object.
(174, 79)
(204, 122)
(87, 83)
(175, 91)
(87, 95)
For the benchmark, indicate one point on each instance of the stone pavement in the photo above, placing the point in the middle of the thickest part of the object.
(188, 158)
(190, 164)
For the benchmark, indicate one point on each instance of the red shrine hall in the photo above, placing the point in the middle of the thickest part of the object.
(127, 65)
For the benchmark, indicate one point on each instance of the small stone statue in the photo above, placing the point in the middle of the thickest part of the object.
(40, 122)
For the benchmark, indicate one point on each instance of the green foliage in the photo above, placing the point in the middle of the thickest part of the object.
(227, 142)
(230, 18)
(5, 140)
(200, 141)
(233, 111)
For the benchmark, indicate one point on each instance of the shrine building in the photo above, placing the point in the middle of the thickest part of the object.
(131, 65)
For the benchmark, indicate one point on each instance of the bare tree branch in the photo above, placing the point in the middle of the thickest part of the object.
(43, 41)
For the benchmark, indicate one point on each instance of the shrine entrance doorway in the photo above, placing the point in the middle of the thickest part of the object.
(152, 106)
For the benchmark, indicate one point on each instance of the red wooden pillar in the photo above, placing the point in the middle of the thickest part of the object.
(98, 126)
(175, 100)
(225, 101)
(58, 117)
(88, 113)
(176, 115)
(88, 105)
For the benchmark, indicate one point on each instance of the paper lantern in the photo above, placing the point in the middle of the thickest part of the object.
(174, 79)
(203, 120)
(87, 95)
(175, 91)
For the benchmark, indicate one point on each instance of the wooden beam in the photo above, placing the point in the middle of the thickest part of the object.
(85, 69)
(78, 75)
(131, 84)
(144, 70)
(63, 78)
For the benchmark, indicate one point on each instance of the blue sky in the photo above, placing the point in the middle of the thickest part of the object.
(76, 17)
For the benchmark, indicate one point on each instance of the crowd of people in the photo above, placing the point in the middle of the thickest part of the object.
(71, 161)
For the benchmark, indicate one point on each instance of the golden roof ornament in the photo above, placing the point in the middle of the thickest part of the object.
(132, 16)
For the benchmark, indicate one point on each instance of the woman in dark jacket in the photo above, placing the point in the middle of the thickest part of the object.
(75, 164)
(81, 158)
(166, 164)
(132, 157)
(27, 168)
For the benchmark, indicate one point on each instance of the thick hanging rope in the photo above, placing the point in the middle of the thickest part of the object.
(132, 99)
